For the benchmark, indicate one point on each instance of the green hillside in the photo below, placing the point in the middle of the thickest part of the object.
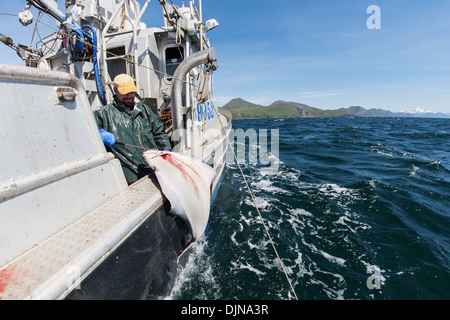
(241, 109)
(304, 110)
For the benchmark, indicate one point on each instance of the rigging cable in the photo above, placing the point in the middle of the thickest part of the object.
(266, 229)
(112, 54)
(94, 45)
(35, 29)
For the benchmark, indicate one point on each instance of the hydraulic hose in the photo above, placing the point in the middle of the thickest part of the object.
(95, 61)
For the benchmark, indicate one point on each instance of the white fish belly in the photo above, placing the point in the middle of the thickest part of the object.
(187, 185)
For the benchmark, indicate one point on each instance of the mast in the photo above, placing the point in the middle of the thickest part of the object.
(200, 8)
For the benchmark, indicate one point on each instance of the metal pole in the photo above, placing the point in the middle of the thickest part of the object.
(201, 24)
(201, 48)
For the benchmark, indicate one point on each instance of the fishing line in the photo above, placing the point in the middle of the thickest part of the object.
(130, 145)
(140, 142)
(228, 141)
(256, 206)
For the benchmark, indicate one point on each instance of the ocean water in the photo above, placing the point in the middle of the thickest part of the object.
(358, 208)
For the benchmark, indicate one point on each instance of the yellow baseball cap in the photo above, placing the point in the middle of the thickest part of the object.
(124, 84)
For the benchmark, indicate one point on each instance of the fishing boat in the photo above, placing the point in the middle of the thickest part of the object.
(71, 227)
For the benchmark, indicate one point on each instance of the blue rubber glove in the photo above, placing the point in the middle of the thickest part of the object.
(107, 137)
(167, 149)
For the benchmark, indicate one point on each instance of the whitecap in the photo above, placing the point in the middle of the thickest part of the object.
(300, 212)
(261, 202)
(291, 176)
(347, 222)
(413, 171)
(336, 191)
(267, 186)
(233, 239)
(333, 259)
(384, 153)
(326, 255)
(259, 246)
(248, 267)
(372, 183)
(197, 259)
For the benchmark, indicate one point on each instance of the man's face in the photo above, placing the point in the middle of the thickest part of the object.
(127, 99)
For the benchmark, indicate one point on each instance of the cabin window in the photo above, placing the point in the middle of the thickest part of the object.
(174, 56)
(117, 62)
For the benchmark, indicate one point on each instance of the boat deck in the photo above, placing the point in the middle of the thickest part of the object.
(52, 269)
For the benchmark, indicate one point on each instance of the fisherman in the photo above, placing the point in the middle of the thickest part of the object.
(128, 127)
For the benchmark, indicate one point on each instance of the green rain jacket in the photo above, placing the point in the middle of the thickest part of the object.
(137, 127)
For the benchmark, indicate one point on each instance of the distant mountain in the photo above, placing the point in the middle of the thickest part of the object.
(361, 112)
(240, 109)
(240, 104)
(418, 112)
(422, 113)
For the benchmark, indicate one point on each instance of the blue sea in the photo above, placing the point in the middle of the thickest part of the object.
(357, 208)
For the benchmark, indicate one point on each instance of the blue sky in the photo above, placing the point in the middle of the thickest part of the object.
(320, 52)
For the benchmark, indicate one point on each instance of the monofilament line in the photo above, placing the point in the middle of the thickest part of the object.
(266, 229)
